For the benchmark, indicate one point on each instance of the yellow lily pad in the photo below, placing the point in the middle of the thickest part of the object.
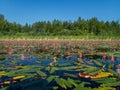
(18, 77)
(2, 73)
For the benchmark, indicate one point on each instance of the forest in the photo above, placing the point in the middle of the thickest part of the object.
(80, 27)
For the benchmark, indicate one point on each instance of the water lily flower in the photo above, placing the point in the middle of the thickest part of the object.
(112, 58)
(11, 51)
(24, 45)
(104, 56)
(28, 50)
(58, 51)
(80, 55)
(118, 70)
(46, 48)
(72, 49)
(118, 65)
(51, 64)
(22, 57)
(54, 60)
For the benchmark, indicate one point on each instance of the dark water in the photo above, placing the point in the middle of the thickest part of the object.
(34, 60)
(14, 61)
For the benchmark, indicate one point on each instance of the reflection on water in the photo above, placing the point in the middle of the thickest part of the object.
(31, 60)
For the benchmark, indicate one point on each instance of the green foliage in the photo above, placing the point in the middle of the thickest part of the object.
(42, 74)
(4, 88)
(55, 88)
(114, 72)
(89, 29)
(98, 63)
(81, 86)
(91, 70)
(50, 78)
(71, 75)
(61, 82)
(69, 83)
(117, 54)
(102, 87)
(105, 80)
(72, 82)
(53, 70)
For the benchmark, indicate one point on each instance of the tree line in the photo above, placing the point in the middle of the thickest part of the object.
(56, 27)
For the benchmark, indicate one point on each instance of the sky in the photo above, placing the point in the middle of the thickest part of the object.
(30, 11)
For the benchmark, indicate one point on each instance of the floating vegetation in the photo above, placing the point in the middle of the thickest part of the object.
(60, 65)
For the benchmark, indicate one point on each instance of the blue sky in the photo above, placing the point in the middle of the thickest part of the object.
(30, 11)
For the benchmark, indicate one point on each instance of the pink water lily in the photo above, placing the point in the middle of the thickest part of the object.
(24, 45)
(58, 51)
(80, 55)
(51, 64)
(104, 56)
(46, 48)
(28, 50)
(22, 57)
(72, 49)
(118, 70)
(112, 58)
(54, 60)
(11, 52)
